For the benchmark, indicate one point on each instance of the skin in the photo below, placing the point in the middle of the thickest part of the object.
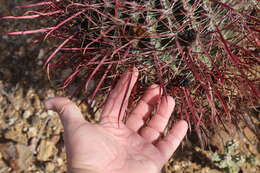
(116, 147)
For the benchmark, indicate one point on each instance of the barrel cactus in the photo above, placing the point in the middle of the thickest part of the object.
(205, 53)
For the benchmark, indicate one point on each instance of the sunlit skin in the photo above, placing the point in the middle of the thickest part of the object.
(117, 147)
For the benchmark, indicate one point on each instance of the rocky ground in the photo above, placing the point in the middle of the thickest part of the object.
(31, 137)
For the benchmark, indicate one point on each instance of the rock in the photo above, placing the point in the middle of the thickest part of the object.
(60, 161)
(41, 54)
(21, 51)
(6, 74)
(25, 129)
(37, 104)
(50, 167)
(8, 151)
(43, 115)
(220, 138)
(5, 169)
(39, 62)
(15, 133)
(11, 121)
(9, 154)
(51, 113)
(33, 145)
(55, 139)
(27, 114)
(46, 150)
(17, 100)
(49, 94)
(54, 126)
(249, 135)
(25, 157)
(32, 132)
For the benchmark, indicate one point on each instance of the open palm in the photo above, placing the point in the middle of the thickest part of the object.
(115, 147)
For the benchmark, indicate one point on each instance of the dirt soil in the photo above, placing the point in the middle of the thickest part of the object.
(31, 137)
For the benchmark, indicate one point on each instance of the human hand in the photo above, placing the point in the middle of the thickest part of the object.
(115, 147)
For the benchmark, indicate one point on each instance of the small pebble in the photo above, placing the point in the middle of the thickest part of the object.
(27, 114)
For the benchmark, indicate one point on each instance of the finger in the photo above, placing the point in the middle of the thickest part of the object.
(69, 113)
(117, 101)
(158, 122)
(144, 108)
(172, 140)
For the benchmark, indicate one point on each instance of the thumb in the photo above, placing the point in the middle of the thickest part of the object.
(68, 111)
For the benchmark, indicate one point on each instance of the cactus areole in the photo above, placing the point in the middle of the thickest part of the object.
(205, 53)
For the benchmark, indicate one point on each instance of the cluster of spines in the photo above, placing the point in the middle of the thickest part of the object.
(204, 53)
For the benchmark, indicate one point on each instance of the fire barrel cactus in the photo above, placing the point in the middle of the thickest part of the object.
(205, 53)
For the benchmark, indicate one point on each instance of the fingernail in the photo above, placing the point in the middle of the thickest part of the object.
(154, 86)
(48, 104)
